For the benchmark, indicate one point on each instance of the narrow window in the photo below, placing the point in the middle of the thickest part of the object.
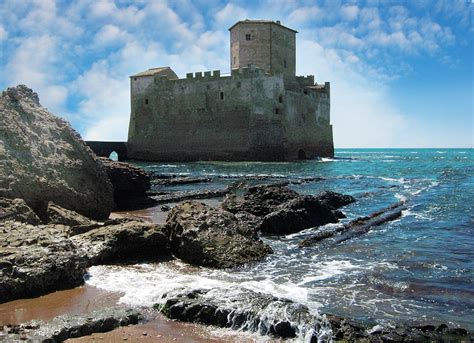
(277, 111)
(207, 87)
(222, 95)
(234, 59)
(305, 91)
(146, 101)
(239, 84)
(134, 79)
(280, 99)
(248, 36)
(284, 63)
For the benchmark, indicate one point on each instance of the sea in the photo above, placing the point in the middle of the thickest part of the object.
(415, 270)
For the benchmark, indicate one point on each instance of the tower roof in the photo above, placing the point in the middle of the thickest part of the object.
(248, 21)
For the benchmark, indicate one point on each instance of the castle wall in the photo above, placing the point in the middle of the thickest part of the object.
(208, 117)
(283, 51)
(307, 128)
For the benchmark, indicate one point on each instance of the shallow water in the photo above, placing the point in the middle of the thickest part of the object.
(417, 269)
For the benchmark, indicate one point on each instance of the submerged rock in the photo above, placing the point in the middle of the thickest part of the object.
(246, 310)
(128, 181)
(64, 327)
(17, 210)
(43, 159)
(212, 237)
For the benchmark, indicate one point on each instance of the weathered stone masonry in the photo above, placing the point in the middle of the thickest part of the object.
(262, 111)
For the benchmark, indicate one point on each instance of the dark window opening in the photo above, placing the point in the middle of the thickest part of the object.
(277, 111)
(248, 36)
(284, 63)
(134, 79)
(305, 91)
(234, 59)
(208, 87)
(146, 101)
(301, 154)
(239, 84)
(222, 95)
(280, 99)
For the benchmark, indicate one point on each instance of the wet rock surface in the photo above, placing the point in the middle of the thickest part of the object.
(64, 327)
(42, 158)
(283, 318)
(57, 215)
(38, 259)
(282, 211)
(249, 311)
(212, 237)
(128, 182)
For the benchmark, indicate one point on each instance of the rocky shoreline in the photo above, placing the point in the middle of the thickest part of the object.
(55, 200)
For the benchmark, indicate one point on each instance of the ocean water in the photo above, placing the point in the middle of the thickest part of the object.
(416, 270)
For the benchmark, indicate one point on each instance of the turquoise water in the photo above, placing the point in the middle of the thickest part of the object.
(417, 269)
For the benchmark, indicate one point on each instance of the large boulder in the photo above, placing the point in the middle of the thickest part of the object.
(42, 158)
(335, 200)
(296, 215)
(37, 259)
(128, 181)
(212, 237)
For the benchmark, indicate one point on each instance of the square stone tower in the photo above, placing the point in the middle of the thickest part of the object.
(266, 44)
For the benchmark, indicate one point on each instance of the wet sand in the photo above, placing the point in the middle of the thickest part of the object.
(77, 300)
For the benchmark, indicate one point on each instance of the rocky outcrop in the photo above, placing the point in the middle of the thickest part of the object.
(43, 159)
(296, 215)
(243, 311)
(17, 210)
(283, 318)
(212, 237)
(37, 259)
(280, 210)
(259, 200)
(64, 327)
(128, 181)
(120, 240)
(40, 259)
(58, 215)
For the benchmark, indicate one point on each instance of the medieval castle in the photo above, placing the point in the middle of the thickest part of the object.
(261, 111)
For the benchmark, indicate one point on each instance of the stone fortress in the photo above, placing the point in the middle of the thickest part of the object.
(261, 111)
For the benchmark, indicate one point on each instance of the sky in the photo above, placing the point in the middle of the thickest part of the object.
(401, 72)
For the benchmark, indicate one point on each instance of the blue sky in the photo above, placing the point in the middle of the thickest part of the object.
(401, 72)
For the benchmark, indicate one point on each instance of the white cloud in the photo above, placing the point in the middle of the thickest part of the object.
(32, 64)
(3, 33)
(110, 35)
(361, 113)
(350, 12)
(229, 14)
(305, 14)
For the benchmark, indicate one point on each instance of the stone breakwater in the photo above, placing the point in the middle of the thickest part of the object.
(55, 197)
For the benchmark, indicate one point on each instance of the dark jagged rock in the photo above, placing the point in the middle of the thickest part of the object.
(64, 327)
(268, 315)
(122, 240)
(17, 210)
(296, 215)
(335, 200)
(259, 200)
(176, 180)
(248, 311)
(127, 181)
(283, 211)
(212, 237)
(37, 259)
(43, 159)
(356, 227)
